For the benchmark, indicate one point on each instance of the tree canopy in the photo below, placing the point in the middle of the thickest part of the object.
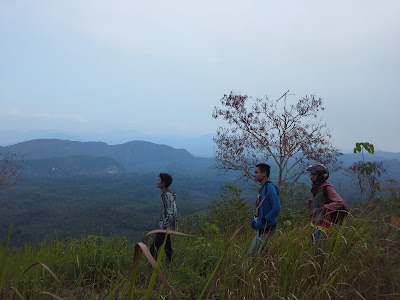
(261, 129)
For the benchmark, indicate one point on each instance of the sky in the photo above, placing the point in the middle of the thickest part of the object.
(160, 67)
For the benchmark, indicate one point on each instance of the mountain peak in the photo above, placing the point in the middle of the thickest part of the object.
(133, 155)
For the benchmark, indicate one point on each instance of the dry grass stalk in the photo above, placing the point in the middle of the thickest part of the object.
(44, 267)
(142, 248)
(52, 295)
(18, 293)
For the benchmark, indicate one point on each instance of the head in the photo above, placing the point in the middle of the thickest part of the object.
(164, 180)
(319, 173)
(262, 172)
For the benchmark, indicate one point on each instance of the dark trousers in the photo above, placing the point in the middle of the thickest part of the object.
(158, 241)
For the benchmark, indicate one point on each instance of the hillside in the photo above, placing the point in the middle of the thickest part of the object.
(69, 188)
(135, 156)
(71, 165)
(201, 146)
(140, 156)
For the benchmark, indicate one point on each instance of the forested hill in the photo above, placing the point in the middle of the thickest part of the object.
(65, 157)
(137, 156)
(69, 188)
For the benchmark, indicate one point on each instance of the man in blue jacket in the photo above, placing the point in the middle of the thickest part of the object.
(266, 212)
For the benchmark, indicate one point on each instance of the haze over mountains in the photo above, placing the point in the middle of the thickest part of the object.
(65, 157)
(202, 146)
(53, 156)
(199, 146)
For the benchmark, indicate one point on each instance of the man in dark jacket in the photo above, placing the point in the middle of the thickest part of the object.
(266, 212)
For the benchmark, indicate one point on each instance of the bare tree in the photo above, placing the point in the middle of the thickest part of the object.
(259, 129)
(9, 169)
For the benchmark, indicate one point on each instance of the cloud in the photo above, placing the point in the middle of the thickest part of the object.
(214, 31)
(15, 112)
(85, 53)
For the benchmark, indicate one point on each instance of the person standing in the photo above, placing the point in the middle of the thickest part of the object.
(267, 209)
(168, 217)
(324, 204)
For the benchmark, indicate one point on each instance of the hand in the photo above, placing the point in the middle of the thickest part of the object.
(253, 224)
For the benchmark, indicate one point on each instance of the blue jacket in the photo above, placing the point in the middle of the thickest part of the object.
(269, 209)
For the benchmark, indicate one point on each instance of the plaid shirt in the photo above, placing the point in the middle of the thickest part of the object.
(168, 212)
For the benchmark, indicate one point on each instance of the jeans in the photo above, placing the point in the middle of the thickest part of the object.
(318, 239)
(260, 242)
(158, 241)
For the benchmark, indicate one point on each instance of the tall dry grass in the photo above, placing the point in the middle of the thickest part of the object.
(359, 261)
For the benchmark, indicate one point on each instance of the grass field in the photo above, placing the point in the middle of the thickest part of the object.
(359, 261)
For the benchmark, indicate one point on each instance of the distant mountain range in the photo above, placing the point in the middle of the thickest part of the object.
(198, 146)
(201, 146)
(65, 157)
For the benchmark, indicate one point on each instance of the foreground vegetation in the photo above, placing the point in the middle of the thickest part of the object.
(359, 261)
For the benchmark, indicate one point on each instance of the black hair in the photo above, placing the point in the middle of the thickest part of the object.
(264, 168)
(166, 179)
(315, 186)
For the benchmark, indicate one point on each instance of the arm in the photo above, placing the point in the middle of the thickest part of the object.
(275, 203)
(169, 206)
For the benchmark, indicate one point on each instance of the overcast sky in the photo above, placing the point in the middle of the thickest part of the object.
(161, 66)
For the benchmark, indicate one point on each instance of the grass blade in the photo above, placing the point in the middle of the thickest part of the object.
(52, 295)
(142, 248)
(44, 267)
(211, 278)
(3, 259)
(169, 232)
(152, 282)
(17, 292)
(152, 261)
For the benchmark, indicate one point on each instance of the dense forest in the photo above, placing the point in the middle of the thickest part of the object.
(43, 208)
(126, 205)
(82, 192)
